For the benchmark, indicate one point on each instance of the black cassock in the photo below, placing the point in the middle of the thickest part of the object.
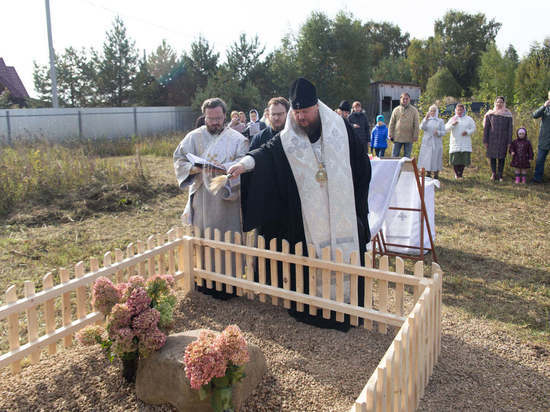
(271, 203)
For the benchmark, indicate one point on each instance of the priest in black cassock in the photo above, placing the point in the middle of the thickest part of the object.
(309, 184)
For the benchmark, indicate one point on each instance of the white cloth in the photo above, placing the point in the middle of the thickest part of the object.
(334, 201)
(459, 143)
(221, 211)
(431, 149)
(385, 174)
(403, 226)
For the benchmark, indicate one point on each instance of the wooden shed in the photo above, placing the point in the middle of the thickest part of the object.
(384, 97)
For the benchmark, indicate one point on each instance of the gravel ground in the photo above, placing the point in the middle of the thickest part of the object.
(309, 369)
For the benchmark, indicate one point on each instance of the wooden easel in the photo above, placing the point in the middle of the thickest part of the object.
(379, 244)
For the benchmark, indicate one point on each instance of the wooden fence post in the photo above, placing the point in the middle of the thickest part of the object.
(419, 273)
(286, 273)
(299, 251)
(188, 265)
(151, 260)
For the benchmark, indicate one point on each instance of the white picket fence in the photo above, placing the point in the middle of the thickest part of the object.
(392, 298)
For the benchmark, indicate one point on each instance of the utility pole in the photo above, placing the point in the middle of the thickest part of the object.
(55, 102)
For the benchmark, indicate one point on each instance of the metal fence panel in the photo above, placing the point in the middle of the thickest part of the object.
(100, 122)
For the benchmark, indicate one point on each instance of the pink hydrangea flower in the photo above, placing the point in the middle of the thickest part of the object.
(203, 360)
(105, 295)
(124, 340)
(151, 341)
(134, 282)
(145, 321)
(120, 318)
(138, 301)
(232, 345)
(90, 335)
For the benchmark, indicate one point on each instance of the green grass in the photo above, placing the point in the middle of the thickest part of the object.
(492, 238)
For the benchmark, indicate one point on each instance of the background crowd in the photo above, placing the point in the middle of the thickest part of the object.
(501, 138)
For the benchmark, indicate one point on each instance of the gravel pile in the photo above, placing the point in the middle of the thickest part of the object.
(308, 368)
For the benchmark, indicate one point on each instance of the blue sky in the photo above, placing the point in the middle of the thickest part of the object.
(83, 23)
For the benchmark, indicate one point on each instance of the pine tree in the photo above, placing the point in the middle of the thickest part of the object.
(117, 66)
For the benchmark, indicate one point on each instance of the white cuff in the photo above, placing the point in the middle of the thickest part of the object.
(248, 162)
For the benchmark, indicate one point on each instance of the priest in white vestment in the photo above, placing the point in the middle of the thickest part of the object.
(221, 146)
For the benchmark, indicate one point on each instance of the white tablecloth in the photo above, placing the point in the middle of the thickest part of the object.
(390, 186)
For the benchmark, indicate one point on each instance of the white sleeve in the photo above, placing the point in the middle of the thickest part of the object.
(248, 162)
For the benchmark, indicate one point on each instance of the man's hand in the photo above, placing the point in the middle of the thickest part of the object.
(236, 170)
(464, 133)
(547, 103)
(355, 125)
(195, 170)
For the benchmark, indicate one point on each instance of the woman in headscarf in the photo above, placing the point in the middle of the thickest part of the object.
(498, 129)
(431, 149)
(462, 128)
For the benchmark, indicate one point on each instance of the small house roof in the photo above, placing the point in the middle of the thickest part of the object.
(10, 79)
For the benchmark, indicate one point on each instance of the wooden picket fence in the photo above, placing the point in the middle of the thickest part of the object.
(392, 299)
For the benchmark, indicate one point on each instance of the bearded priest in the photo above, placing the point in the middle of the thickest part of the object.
(221, 147)
(309, 184)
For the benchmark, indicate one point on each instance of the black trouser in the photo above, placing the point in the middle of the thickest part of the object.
(500, 167)
(459, 169)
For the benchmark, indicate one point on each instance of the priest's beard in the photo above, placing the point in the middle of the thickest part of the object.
(313, 130)
(214, 129)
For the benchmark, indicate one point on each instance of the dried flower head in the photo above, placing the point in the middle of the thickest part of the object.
(105, 295)
(90, 335)
(138, 301)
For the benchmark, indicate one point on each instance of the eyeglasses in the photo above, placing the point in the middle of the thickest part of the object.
(277, 114)
(214, 119)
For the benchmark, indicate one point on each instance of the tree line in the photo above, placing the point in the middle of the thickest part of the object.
(341, 55)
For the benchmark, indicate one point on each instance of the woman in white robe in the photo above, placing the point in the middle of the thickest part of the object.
(431, 149)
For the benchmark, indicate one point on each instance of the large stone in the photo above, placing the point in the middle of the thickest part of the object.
(161, 377)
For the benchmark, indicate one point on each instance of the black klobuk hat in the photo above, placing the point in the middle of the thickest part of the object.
(302, 94)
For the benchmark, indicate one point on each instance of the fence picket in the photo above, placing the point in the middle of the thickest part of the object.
(354, 291)
(238, 262)
(199, 252)
(171, 253)
(66, 306)
(151, 260)
(368, 289)
(49, 311)
(119, 258)
(32, 321)
(399, 287)
(381, 390)
(383, 293)
(208, 256)
(299, 251)
(286, 273)
(13, 328)
(419, 273)
(261, 266)
(228, 265)
(129, 254)
(325, 276)
(249, 259)
(312, 253)
(339, 258)
(162, 258)
(80, 292)
(273, 270)
(218, 259)
(141, 268)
